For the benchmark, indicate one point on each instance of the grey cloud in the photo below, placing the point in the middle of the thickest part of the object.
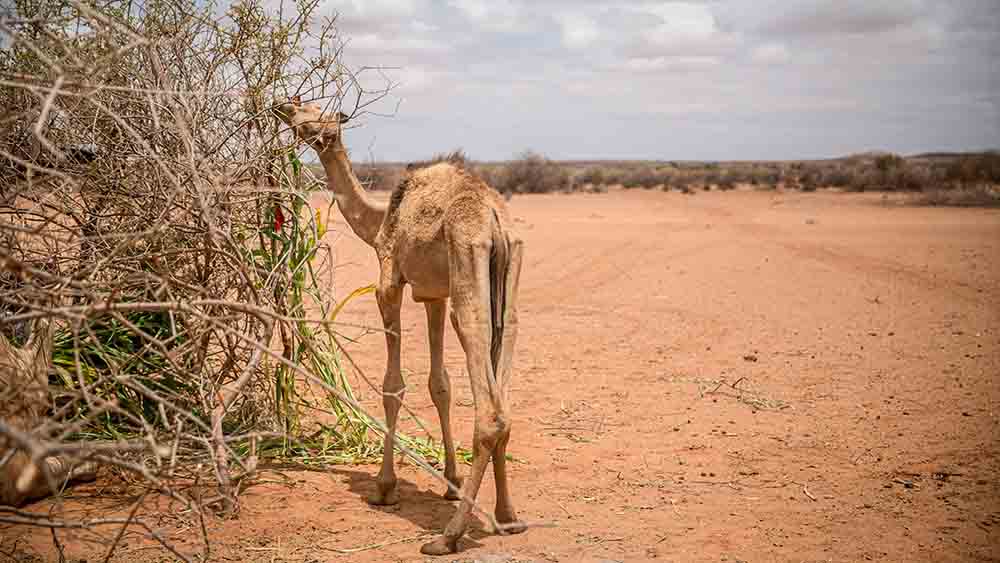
(720, 79)
(820, 17)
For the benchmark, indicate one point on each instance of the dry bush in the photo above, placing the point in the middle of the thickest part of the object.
(981, 195)
(836, 176)
(764, 176)
(973, 170)
(594, 175)
(728, 180)
(380, 177)
(889, 162)
(532, 173)
(710, 178)
(645, 177)
(965, 181)
(153, 217)
(680, 182)
(886, 172)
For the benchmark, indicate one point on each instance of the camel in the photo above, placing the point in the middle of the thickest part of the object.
(448, 235)
(24, 399)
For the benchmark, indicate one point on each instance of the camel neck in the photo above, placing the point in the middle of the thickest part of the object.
(361, 213)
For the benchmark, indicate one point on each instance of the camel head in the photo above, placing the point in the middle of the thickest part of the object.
(310, 124)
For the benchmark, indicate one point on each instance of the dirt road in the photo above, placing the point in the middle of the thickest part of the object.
(743, 376)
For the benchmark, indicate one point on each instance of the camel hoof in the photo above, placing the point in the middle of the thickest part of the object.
(384, 498)
(441, 546)
(452, 494)
(84, 472)
(511, 528)
(508, 524)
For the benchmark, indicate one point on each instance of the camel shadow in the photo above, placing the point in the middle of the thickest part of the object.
(425, 508)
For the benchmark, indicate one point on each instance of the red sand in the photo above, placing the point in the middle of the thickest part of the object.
(864, 336)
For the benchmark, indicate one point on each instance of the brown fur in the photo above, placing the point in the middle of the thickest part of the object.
(448, 235)
(24, 400)
(456, 158)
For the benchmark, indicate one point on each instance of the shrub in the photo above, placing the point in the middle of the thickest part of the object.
(379, 177)
(862, 180)
(976, 169)
(645, 177)
(176, 250)
(837, 177)
(728, 180)
(888, 162)
(765, 177)
(532, 173)
(973, 196)
(680, 182)
(594, 175)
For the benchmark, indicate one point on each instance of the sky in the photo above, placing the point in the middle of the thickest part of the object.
(700, 80)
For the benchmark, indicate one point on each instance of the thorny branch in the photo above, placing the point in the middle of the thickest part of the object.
(162, 273)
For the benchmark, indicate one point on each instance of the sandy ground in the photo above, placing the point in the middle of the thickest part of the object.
(743, 376)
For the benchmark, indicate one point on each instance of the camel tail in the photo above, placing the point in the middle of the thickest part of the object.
(499, 268)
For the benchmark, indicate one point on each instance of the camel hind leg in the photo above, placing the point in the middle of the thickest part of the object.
(471, 318)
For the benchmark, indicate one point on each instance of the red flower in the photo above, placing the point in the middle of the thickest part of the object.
(279, 218)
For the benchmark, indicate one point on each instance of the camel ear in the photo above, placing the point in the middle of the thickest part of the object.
(343, 117)
(297, 101)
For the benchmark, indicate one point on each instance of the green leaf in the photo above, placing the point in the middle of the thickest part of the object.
(293, 159)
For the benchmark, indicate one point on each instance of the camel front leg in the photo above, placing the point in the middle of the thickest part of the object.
(389, 298)
(440, 388)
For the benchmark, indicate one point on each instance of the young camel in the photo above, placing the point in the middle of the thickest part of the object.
(24, 399)
(448, 235)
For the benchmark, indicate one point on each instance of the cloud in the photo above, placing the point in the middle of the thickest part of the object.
(382, 45)
(653, 64)
(372, 9)
(578, 30)
(771, 54)
(490, 15)
(726, 79)
(823, 17)
(680, 18)
(680, 29)
(414, 79)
